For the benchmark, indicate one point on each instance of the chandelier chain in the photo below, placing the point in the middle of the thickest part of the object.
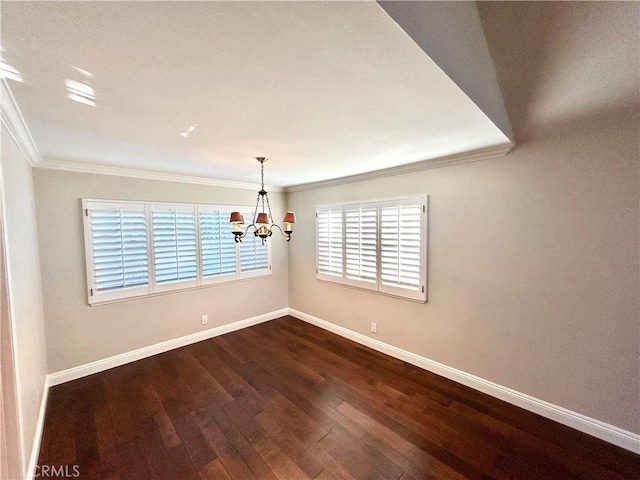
(269, 208)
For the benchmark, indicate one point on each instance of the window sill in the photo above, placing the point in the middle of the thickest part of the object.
(180, 290)
(370, 290)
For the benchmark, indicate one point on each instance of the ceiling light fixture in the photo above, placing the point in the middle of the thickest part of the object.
(262, 223)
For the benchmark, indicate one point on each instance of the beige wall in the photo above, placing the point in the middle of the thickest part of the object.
(24, 289)
(77, 333)
(533, 269)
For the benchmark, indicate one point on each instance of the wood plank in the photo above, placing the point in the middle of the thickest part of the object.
(255, 462)
(283, 466)
(358, 467)
(214, 471)
(190, 435)
(229, 456)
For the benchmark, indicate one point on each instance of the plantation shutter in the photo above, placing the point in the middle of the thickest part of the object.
(133, 249)
(174, 245)
(254, 256)
(218, 248)
(380, 246)
(330, 241)
(402, 236)
(361, 231)
(117, 243)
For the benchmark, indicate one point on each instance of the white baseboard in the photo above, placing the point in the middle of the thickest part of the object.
(37, 438)
(604, 431)
(144, 352)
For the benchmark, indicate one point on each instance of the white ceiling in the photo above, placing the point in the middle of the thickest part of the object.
(324, 89)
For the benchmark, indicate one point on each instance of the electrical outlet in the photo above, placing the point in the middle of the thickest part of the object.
(374, 327)
(204, 319)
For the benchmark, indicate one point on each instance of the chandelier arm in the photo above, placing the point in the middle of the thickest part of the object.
(285, 235)
(278, 227)
(238, 237)
(246, 230)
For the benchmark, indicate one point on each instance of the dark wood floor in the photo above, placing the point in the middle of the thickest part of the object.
(287, 400)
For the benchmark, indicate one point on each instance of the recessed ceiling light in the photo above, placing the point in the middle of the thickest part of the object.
(188, 131)
(10, 73)
(80, 92)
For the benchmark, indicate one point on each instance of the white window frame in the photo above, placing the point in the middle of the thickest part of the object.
(152, 289)
(378, 286)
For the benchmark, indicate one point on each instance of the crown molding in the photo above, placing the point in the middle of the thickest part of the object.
(455, 159)
(14, 122)
(147, 175)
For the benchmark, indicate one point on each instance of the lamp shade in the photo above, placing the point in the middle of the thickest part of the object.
(236, 217)
(290, 217)
(262, 218)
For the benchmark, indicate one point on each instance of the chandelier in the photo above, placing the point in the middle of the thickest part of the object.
(262, 223)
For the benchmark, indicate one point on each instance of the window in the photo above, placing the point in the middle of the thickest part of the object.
(378, 246)
(135, 249)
